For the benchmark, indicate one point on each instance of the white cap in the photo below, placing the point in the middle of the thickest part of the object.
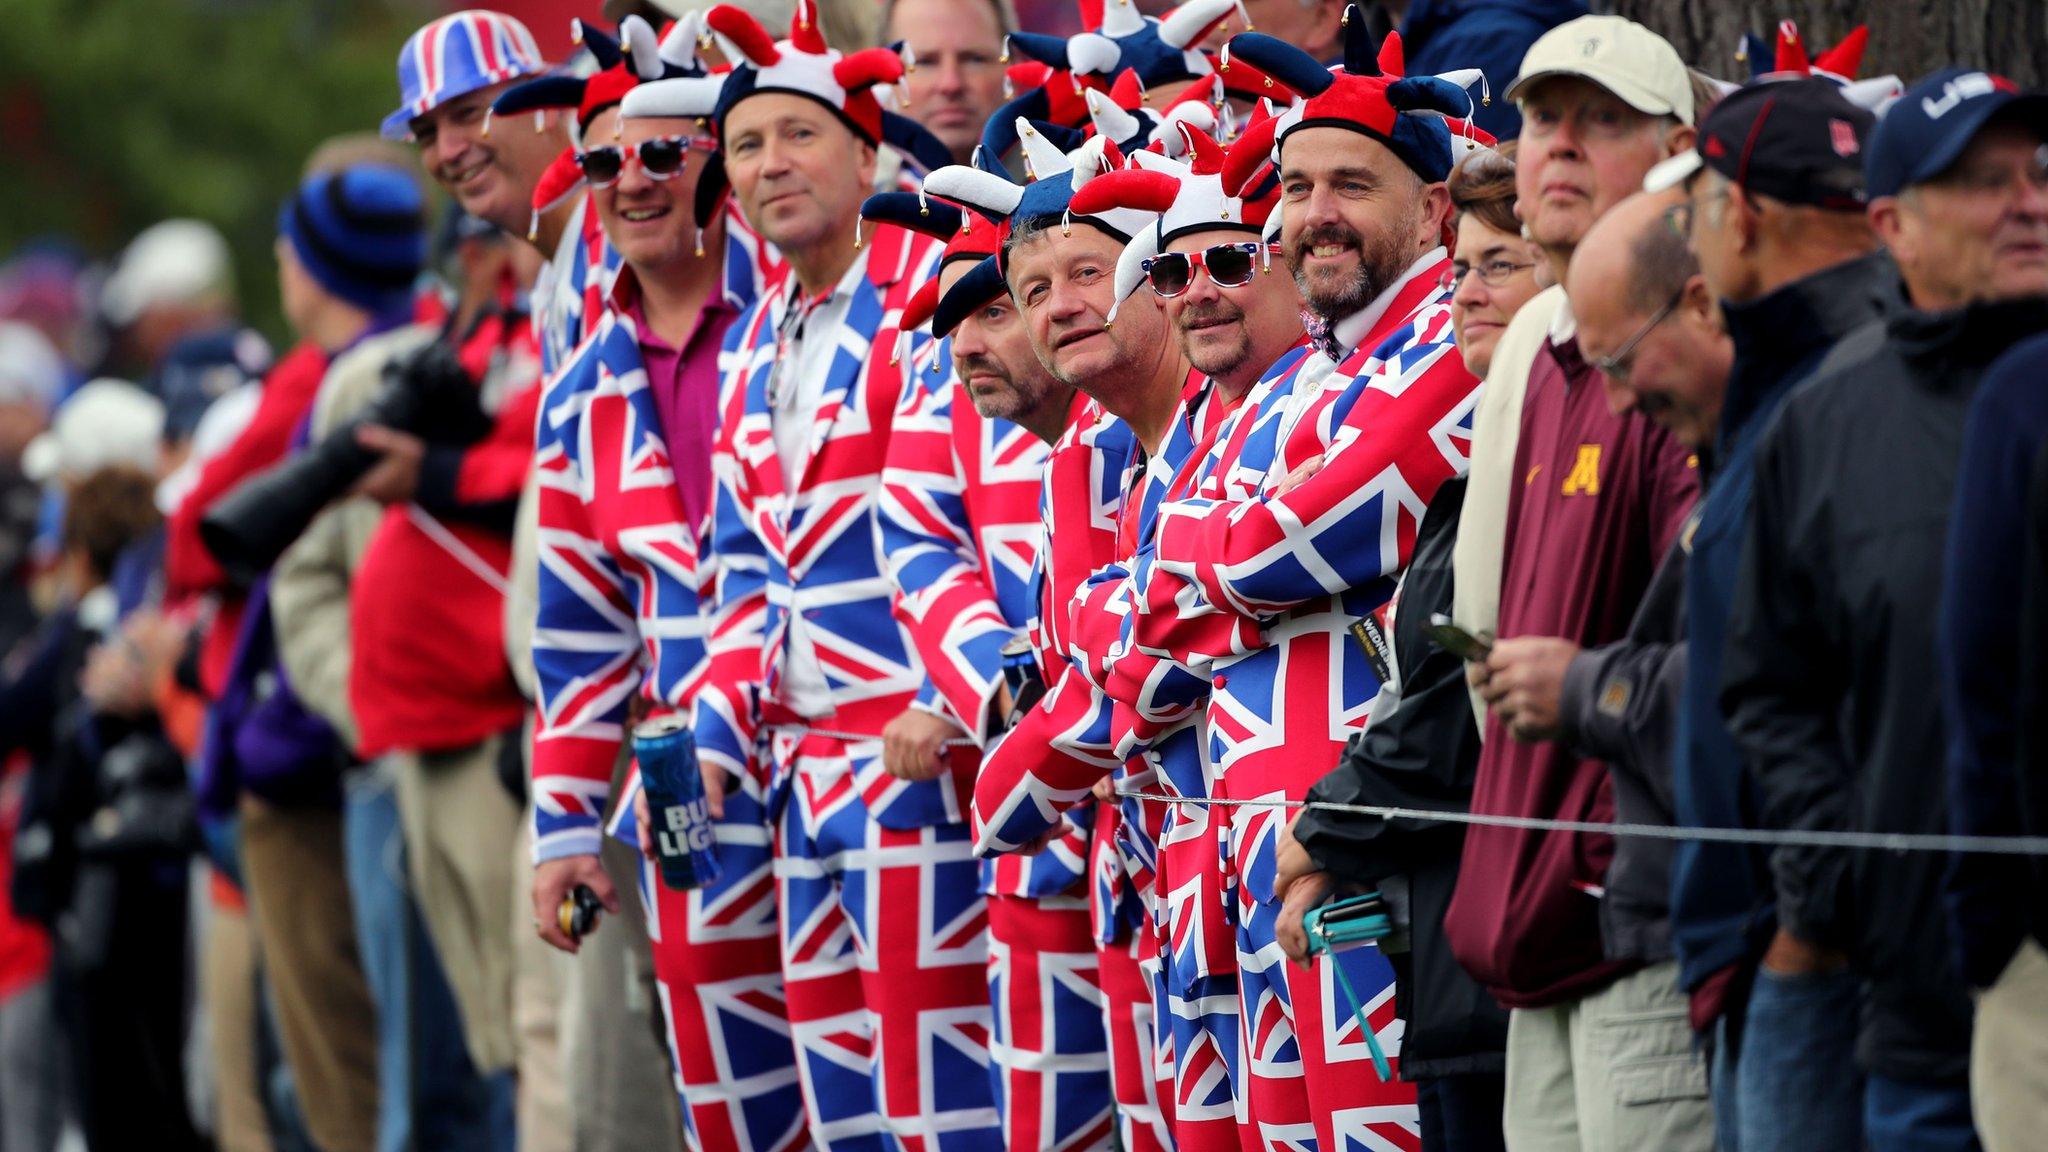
(31, 371)
(105, 423)
(1620, 55)
(170, 262)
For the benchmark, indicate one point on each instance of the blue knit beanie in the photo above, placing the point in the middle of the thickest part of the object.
(360, 233)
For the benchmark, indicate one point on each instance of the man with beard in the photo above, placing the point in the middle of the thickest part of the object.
(1301, 515)
(649, 377)
(959, 520)
(1593, 497)
(1058, 262)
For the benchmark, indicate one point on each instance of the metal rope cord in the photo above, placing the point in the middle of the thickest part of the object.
(1868, 841)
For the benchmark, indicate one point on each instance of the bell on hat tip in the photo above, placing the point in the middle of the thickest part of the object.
(1269, 81)
(485, 132)
(1486, 101)
(540, 121)
(533, 226)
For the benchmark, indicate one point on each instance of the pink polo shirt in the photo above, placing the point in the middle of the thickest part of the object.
(685, 385)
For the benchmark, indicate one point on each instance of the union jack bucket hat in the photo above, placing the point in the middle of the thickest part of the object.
(457, 55)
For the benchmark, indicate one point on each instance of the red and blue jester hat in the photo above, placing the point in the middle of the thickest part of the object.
(968, 234)
(800, 66)
(1839, 64)
(1369, 95)
(1182, 196)
(1162, 51)
(636, 57)
(1056, 170)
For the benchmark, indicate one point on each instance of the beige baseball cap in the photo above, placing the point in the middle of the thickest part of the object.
(1618, 54)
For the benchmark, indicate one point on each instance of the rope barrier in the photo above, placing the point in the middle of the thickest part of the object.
(1866, 841)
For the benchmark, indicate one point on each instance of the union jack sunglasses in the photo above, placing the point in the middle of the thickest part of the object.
(1228, 265)
(660, 157)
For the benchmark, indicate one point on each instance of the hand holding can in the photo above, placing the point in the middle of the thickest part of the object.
(685, 840)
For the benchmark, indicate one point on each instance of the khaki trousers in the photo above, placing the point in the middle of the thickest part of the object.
(2009, 1054)
(299, 902)
(1613, 1071)
(460, 826)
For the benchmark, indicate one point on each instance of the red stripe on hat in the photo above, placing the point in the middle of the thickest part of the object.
(486, 45)
(430, 64)
(1749, 145)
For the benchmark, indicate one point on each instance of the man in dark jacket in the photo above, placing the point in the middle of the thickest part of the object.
(1998, 905)
(1490, 35)
(1784, 244)
(1831, 637)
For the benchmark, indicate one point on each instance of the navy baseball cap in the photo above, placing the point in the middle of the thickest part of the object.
(1925, 133)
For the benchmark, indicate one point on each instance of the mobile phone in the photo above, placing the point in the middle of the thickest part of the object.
(1456, 640)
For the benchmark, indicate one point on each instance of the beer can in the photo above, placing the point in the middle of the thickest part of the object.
(684, 840)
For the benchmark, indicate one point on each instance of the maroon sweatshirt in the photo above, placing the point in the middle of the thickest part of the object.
(1599, 502)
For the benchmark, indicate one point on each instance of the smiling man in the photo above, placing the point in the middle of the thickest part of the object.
(450, 72)
(959, 521)
(649, 376)
(884, 929)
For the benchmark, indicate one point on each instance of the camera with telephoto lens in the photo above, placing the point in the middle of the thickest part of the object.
(427, 394)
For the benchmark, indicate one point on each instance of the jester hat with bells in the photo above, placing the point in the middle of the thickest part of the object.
(1183, 198)
(802, 65)
(969, 236)
(636, 57)
(1839, 64)
(1057, 163)
(1369, 95)
(1161, 51)
(1122, 117)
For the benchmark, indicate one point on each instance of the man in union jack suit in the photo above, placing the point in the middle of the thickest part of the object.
(1304, 511)
(884, 943)
(1058, 262)
(960, 525)
(625, 493)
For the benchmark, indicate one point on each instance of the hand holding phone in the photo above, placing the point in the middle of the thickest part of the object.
(1459, 642)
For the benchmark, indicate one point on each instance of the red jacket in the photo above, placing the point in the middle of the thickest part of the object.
(1600, 499)
(426, 621)
(189, 569)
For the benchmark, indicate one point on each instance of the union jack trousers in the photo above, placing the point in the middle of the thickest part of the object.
(1197, 999)
(960, 527)
(1260, 587)
(884, 927)
(618, 616)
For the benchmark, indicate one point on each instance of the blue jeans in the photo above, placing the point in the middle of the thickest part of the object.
(1462, 1113)
(429, 1094)
(1911, 1116)
(1797, 1084)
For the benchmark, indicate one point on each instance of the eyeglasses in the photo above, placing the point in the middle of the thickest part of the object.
(661, 158)
(1228, 265)
(1492, 273)
(1616, 366)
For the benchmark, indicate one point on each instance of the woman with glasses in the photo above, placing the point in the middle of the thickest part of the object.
(1493, 270)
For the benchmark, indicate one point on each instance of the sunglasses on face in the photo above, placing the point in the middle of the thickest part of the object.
(661, 158)
(1228, 265)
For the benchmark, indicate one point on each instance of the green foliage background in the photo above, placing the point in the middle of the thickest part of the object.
(118, 113)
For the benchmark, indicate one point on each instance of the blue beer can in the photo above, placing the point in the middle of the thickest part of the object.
(685, 842)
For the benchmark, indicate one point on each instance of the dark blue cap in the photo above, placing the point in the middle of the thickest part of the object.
(361, 233)
(1926, 132)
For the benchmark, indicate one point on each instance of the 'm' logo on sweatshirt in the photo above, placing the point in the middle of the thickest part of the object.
(1584, 478)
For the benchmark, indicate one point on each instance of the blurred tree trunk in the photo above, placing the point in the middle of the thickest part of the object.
(1908, 37)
